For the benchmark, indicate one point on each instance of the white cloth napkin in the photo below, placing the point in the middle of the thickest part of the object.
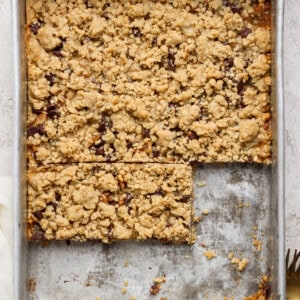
(6, 238)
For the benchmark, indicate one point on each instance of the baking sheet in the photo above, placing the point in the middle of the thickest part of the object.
(238, 198)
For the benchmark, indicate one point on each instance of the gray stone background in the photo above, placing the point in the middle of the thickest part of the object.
(292, 106)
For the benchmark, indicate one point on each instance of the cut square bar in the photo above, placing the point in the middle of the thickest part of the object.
(109, 202)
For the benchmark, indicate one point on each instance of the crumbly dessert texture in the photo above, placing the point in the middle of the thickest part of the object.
(110, 202)
(144, 81)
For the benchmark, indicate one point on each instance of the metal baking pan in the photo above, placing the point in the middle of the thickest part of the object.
(91, 270)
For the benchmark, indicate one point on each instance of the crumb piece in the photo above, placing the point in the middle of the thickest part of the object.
(255, 228)
(132, 298)
(197, 219)
(31, 285)
(155, 288)
(97, 298)
(231, 255)
(209, 254)
(241, 264)
(240, 204)
(205, 212)
(125, 283)
(163, 298)
(193, 235)
(126, 263)
(256, 242)
(264, 290)
(202, 245)
(87, 283)
(159, 279)
(124, 290)
(201, 183)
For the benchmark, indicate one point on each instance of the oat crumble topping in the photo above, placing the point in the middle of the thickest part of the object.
(110, 202)
(166, 81)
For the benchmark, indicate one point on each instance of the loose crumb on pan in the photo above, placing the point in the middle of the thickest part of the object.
(239, 263)
(242, 204)
(156, 287)
(197, 219)
(31, 284)
(209, 254)
(205, 212)
(123, 290)
(264, 290)
(257, 243)
(161, 279)
(201, 183)
(88, 283)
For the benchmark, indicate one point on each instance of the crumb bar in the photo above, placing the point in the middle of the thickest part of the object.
(165, 81)
(111, 202)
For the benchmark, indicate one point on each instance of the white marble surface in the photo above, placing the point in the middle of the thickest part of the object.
(6, 90)
(292, 100)
(6, 149)
(292, 121)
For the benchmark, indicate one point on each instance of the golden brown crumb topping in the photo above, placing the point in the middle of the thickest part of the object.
(110, 202)
(164, 81)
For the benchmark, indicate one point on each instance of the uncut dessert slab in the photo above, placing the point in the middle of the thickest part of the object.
(168, 81)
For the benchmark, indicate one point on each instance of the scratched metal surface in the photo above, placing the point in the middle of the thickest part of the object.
(237, 198)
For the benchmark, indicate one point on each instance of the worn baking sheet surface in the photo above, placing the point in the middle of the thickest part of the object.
(237, 198)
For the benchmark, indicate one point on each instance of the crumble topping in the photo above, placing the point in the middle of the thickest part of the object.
(165, 81)
(110, 202)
